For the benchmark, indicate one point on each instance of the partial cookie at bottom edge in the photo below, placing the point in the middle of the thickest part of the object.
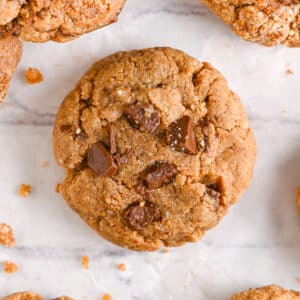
(271, 292)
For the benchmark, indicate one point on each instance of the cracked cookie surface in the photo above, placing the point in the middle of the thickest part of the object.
(57, 20)
(268, 22)
(10, 54)
(156, 147)
(272, 292)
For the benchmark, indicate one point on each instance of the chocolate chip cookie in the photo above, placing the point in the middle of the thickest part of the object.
(59, 20)
(10, 54)
(41, 21)
(30, 296)
(272, 292)
(156, 147)
(268, 22)
(24, 296)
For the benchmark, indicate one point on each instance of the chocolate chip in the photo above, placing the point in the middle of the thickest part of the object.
(141, 214)
(181, 137)
(159, 174)
(213, 192)
(112, 136)
(289, 2)
(124, 158)
(101, 161)
(66, 128)
(137, 118)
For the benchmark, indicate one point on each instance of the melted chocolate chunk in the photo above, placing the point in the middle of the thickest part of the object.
(159, 174)
(289, 2)
(101, 161)
(181, 137)
(112, 136)
(141, 214)
(213, 192)
(66, 128)
(137, 118)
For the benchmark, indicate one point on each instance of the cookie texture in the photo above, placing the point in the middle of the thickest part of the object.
(24, 296)
(268, 22)
(57, 20)
(272, 292)
(156, 147)
(10, 54)
(30, 296)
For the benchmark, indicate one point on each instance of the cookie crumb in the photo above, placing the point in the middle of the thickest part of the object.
(85, 261)
(25, 190)
(122, 267)
(10, 267)
(106, 297)
(298, 197)
(165, 251)
(44, 165)
(6, 236)
(57, 187)
(34, 76)
(289, 72)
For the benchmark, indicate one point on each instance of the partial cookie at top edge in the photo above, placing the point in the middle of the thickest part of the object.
(267, 22)
(156, 146)
(271, 292)
(60, 21)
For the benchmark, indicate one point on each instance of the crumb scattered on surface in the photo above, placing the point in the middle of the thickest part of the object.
(166, 251)
(25, 190)
(106, 297)
(44, 165)
(298, 279)
(34, 76)
(10, 267)
(6, 236)
(289, 72)
(122, 267)
(57, 187)
(298, 196)
(284, 112)
(85, 261)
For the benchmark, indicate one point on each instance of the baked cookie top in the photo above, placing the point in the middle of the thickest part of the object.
(10, 54)
(57, 20)
(24, 296)
(156, 146)
(272, 292)
(268, 22)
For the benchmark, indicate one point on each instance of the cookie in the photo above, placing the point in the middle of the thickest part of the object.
(24, 296)
(59, 20)
(272, 292)
(10, 54)
(156, 147)
(30, 296)
(268, 22)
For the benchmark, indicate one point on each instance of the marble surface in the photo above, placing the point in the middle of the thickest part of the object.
(258, 243)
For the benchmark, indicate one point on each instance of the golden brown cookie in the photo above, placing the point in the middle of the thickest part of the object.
(10, 54)
(157, 148)
(268, 22)
(24, 296)
(272, 292)
(30, 296)
(57, 20)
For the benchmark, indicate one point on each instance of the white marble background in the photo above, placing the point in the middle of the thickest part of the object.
(258, 243)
